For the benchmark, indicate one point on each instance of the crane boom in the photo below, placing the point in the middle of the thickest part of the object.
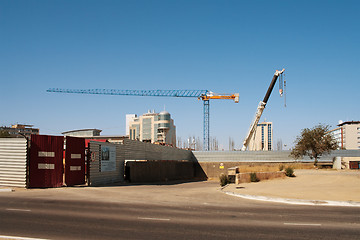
(260, 109)
(204, 95)
(157, 93)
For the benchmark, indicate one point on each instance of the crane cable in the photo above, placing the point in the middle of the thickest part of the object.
(284, 91)
(282, 87)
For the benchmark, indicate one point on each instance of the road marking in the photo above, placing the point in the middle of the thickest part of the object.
(303, 224)
(20, 210)
(6, 190)
(20, 238)
(154, 219)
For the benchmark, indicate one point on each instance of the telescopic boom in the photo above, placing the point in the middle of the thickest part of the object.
(260, 110)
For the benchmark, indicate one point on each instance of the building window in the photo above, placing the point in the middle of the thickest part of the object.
(262, 138)
(269, 137)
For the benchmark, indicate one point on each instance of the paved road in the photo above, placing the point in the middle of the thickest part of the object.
(180, 211)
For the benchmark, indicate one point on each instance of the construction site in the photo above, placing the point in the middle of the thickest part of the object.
(148, 153)
(162, 128)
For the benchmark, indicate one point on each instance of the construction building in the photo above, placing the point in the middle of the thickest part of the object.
(19, 130)
(347, 135)
(262, 140)
(153, 127)
(94, 135)
(83, 133)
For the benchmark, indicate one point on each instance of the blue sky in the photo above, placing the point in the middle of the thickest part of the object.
(222, 46)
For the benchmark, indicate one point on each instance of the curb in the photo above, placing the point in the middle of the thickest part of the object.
(296, 201)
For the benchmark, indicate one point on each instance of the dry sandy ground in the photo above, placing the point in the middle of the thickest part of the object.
(334, 185)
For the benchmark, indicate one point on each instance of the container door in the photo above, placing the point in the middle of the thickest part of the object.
(75, 161)
(46, 161)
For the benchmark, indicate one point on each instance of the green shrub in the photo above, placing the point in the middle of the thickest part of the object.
(4, 134)
(281, 167)
(289, 171)
(253, 177)
(223, 180)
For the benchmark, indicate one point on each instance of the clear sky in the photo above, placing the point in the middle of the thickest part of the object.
(223, 46)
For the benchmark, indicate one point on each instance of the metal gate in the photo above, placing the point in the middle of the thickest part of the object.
(75, 161)
(46, 161)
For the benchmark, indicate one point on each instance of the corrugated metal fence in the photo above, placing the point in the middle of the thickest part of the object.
(13, 162)
(105, 171)
(136, 150)
(266, 156)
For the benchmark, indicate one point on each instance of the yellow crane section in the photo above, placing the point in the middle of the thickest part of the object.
(211, 95)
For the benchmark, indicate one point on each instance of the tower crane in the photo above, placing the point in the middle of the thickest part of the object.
(260, 109)
(204, 95)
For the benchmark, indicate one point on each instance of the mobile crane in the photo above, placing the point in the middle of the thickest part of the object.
(260, 109)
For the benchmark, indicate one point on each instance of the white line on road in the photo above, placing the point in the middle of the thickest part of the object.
(19, 238)
(303, 224)
(154, 219)
(6, 190)
(20, 210)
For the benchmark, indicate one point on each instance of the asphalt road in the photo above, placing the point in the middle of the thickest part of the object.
(49, 215)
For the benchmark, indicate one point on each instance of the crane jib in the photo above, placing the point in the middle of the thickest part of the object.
(205, 95)
(156, 93)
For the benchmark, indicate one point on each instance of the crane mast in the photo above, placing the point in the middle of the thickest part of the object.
(260, 109)
(204, 95)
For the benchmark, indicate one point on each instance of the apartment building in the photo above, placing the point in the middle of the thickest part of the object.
(347, 135)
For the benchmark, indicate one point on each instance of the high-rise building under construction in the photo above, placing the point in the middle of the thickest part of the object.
(262, 140)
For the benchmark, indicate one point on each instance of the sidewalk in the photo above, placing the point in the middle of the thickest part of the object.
(313, 187)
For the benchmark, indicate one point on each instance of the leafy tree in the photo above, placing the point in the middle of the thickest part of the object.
(4, 134)
(314, 143)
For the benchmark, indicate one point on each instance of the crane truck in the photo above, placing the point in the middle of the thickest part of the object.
(260, 110)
